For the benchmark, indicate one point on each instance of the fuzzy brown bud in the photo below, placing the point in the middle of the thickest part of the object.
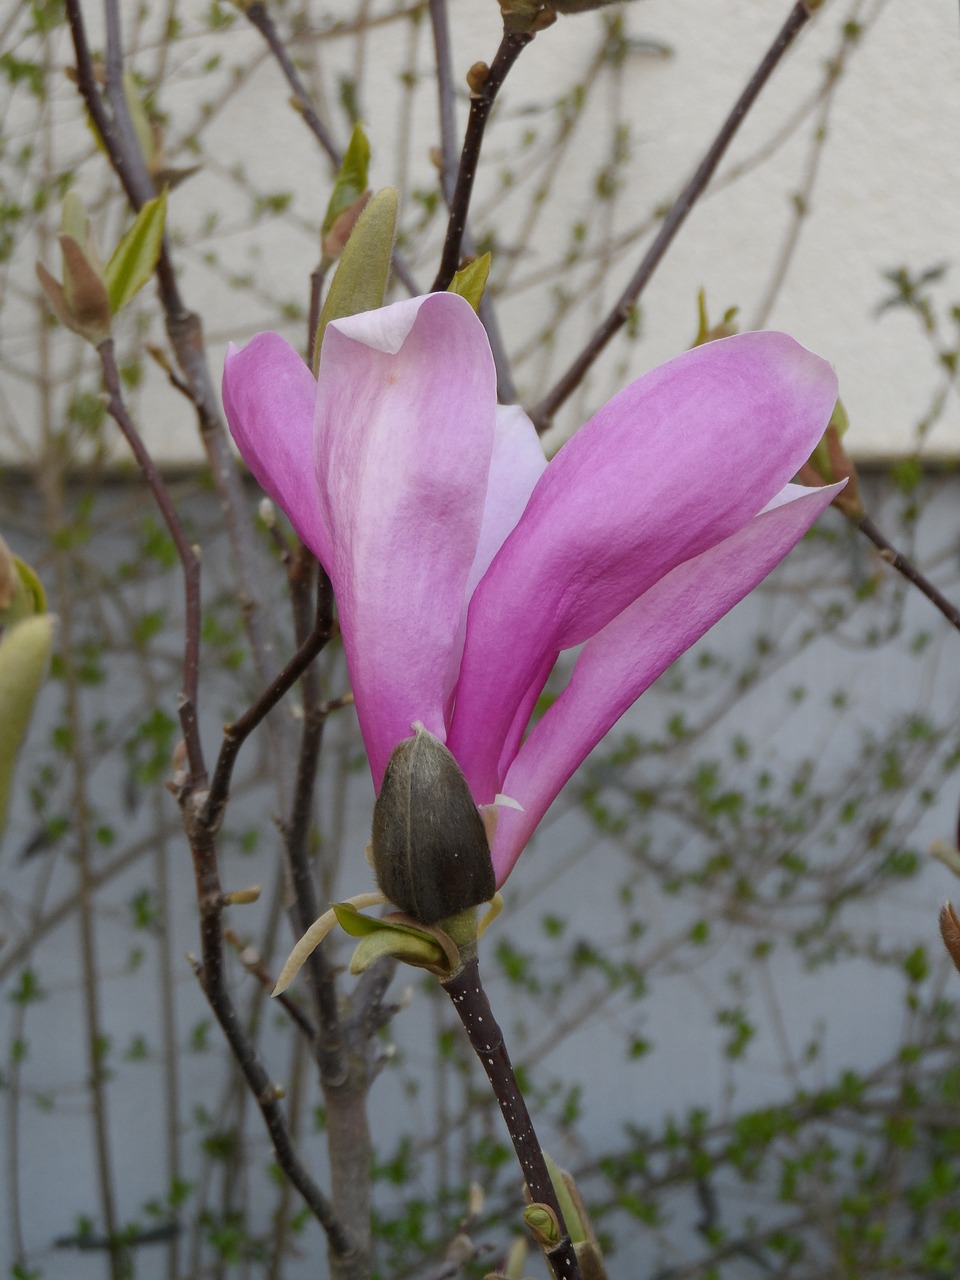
(429, 848)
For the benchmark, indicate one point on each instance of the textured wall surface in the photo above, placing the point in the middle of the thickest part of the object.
(868, 154)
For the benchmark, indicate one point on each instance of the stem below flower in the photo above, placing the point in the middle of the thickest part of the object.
(473, 1007)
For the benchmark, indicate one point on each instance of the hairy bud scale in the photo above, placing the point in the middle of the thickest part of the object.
(429, 848)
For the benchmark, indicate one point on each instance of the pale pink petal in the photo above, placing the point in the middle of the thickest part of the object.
(675, 463)
(269, 396)
(404, 432)
(618, 664)
(517, 464)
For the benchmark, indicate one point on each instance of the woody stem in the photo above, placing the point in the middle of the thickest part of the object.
(470, 1001)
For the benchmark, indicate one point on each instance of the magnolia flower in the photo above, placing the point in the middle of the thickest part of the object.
(463, 563)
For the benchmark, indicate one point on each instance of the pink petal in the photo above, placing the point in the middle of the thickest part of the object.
(404, 433)
(269, 396)
(618, 664)
(675, 463)
(517, 464)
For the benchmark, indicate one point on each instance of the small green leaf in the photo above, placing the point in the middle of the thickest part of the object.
(425, 948)
(357, 925)
(24, 655)
(471, 280)
(422, 953)
(132, 262)
(361, 279)
(351, 181)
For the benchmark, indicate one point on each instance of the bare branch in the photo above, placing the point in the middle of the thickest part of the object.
(543, 413)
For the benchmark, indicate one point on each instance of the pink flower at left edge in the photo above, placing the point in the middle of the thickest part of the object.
(463, 564)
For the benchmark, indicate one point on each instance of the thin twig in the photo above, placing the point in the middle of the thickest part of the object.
(235, 734)
(183, 326)
(260, 18)
(543, 413)
(328, 1046)
(89, 964)
(267, 1098)
(252, 961)
(189, 561)
(445, 98)
(506, 388)
(481, 104)
(909, 570)
(486, 1039)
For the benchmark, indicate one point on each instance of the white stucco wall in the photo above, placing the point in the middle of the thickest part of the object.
(886, 193)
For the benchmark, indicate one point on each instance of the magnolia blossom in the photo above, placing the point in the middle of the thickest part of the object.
(463, 563)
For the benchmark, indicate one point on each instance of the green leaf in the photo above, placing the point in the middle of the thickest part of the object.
(357, 925)
(471, 280)
(419, 952)
(424, 948)
(21, 592)
(361, 279)
(24, 655)
(132, 262)
(352, 177)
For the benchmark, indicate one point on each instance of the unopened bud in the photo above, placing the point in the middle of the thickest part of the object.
(332, 241)
(429, 847)
(240, 897)
(830, 462)
(477, 76)
(543, 1224)
(9, 578)
(950, 932)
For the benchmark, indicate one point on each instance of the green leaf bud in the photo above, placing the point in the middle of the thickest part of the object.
(470, 281)
(361, 280)
(133, 261)
(24, 656)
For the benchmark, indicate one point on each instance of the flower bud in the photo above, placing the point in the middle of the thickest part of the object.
(830, 462)
(429, 848)
(950, 932)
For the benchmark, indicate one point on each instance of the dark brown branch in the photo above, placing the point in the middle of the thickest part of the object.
(183, 326)
(506, 389)
(328, 1046)
(486, 1039)
(258, 16)
(481, 104)
(235, 734)
(189, 561)
(267, 1096)
(252, 961)
(543, 413)
(909, 570)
